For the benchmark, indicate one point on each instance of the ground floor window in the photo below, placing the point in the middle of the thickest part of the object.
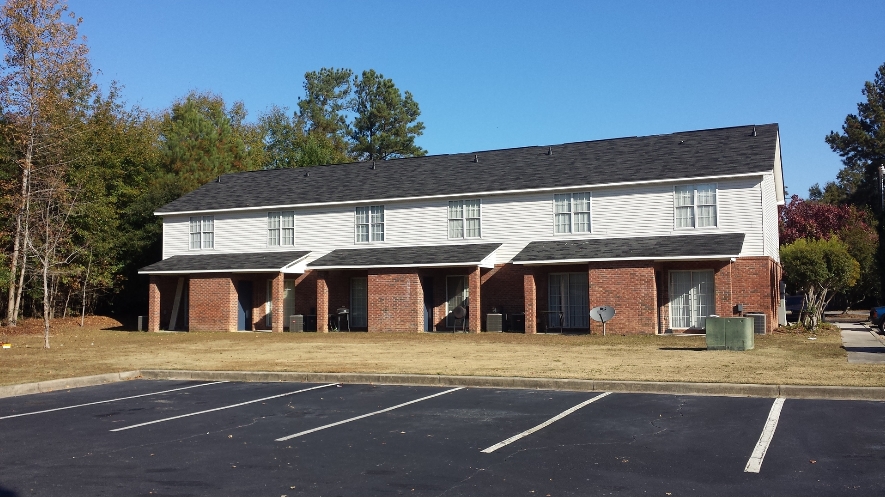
(457, 292)
(691, 298)
(568, 296)
(359, 302)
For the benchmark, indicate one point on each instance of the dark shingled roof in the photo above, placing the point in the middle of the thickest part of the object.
(444, 255)
(723, 151)
(225, 262)
(699, 246)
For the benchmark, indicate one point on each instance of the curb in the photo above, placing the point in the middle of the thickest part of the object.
(683, 388)
(625, 386)
(60, 384)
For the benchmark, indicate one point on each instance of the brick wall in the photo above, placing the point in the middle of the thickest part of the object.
(629, 287)
(396, 301)
(161, 298)
(213, 303)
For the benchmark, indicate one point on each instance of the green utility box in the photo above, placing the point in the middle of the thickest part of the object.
(734, 334)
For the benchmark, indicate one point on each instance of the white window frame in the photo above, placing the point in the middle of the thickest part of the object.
(463, 218)
(695, 205)
(572, 225)
(278, 234)
(205, 234)
(370, 222)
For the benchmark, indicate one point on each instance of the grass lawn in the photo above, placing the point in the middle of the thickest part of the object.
(779, 358)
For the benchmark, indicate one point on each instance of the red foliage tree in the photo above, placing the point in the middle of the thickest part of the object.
(802, 219)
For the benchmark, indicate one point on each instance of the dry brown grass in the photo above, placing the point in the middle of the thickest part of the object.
(780, 358)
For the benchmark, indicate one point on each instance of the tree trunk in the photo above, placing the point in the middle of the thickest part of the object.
(85, 282)
(21, 285)
(46, 303)
(64, 312)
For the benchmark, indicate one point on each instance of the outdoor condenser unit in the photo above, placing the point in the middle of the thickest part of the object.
(758, 322)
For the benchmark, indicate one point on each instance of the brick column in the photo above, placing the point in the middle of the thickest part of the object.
(475, 318)
(154, 304)
(531, 302)
(322, 302)
(276, 307)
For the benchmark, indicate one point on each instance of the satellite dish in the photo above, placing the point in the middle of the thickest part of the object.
(602, 314)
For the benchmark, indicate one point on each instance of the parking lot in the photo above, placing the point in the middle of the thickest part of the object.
(273, 439)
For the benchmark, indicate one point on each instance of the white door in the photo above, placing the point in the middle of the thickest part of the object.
(691, 298)
(567, 293)
(359, 297)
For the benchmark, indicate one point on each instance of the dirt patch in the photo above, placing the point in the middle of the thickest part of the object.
(34, 326)
(789, 356)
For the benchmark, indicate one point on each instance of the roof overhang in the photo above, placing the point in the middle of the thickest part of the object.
(696, 247)
(448, 255)
(264, 262)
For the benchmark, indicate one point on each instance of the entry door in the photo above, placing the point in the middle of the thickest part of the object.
(691, 298)
(567, 293)
(427, 288)
(359, 297)
(456, 295)
(244, 305)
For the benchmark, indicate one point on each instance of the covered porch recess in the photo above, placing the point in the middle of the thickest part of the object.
(221, 292)
(403, 289)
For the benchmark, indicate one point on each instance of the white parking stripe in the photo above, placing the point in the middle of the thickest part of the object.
(542, 425)
(220, 408)
(111, 400)
(368, 414)
(755, 461)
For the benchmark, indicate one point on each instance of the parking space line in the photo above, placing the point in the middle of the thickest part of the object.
(542, 425)
(367, 414)
(220, 408)
(754, 464)
(111, 400)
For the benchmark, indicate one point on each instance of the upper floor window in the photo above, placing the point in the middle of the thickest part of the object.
(281, 228)
(695, 205)
(571, 212)
(464, 219)
(202, 232)
(370, 224)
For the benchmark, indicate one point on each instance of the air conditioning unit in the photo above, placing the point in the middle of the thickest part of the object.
(759, 325)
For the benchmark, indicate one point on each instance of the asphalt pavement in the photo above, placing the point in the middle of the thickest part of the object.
(271, 439)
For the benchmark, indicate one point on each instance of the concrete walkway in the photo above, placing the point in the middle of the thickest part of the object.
(864, 345)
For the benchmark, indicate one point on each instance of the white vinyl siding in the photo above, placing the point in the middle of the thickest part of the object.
(512, 220)
(571, 213)
(202, 232)
(465, 219)
(691, 298)
(694, 206)
(768, 202)
(281, 228)
(369, 224)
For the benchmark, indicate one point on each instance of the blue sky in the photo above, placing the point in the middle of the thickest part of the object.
(491, 75)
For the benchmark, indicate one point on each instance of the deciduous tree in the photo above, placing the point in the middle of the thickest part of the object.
(820, 267)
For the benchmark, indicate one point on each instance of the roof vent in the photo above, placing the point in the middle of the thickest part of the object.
(682, 141)
(549, 151)
(218, 180)
(754, 130)
(475, 158)
(373, 164)
(307, 174)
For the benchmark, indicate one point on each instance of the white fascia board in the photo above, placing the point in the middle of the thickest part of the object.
(720, 257)
(461, 194)
(432, 265)
(488, 261)
(778, 172)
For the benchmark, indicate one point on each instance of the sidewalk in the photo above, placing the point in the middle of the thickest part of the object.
(863, 344)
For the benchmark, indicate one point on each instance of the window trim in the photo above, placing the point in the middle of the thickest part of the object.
(572, 212)
(202, 220)
(463, 219)
(280, 229)
(694, 207)
(370, 225)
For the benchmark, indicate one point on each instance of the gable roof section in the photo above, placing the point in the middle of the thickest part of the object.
(692, 154)
(232, 262)
(705, 246)
(411, 257)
